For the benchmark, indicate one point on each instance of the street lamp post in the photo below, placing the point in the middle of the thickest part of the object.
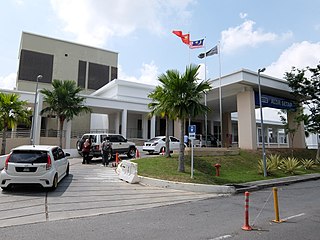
(262, 130)
(39, 77)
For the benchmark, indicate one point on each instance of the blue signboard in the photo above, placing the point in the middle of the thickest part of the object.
(273, 102)
(192, 129)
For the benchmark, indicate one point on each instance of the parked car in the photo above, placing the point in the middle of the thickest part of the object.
(117, 143)
(158, 144)
(35, 164)
(200, 141)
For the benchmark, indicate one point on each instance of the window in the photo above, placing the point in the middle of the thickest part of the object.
(33, 64)
(82, 71)
(98, 75)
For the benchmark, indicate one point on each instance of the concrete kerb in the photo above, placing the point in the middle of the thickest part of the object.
(228, 189)
(192, 187)
(257, 185)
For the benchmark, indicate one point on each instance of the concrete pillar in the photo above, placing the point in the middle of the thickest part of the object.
(117, 122)
(153, 127)
(226, 128)
(247, 130)
(299, 140)
(124, 119)
(145, 126)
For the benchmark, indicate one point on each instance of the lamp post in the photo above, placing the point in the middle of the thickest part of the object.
(39, 77)
(262, 130)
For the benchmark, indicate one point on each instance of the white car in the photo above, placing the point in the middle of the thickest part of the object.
(35, 164)
(158, 144)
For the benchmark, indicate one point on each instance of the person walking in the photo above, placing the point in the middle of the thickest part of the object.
(86, 151)
(105, 146)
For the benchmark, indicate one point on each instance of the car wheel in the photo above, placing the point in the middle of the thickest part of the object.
(67, 171)
(55, 182)
(132, 152)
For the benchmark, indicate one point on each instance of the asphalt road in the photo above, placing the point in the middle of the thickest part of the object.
(89, 190)
(210, 219)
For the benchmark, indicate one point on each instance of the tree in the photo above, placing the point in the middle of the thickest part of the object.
(159, 105)
(63, 101)
(305, 85)
(12, 111)
(183, 96)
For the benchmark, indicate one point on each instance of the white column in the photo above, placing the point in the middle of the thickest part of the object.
(144, 126)
(124, 122)
(117, 122)
(247, 129)
(153, 127)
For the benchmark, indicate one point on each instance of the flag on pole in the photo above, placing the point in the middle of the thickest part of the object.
(196, 44)
(185, 38)
(211, 52)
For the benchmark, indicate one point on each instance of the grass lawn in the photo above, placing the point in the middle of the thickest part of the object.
(234, 169)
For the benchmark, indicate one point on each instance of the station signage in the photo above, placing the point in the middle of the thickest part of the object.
(273, 102)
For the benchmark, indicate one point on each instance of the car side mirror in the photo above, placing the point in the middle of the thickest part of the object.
(67, 154)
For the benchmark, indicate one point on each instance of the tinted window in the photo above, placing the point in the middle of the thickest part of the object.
(82, 71)
(34, 63)
(28, 156)
(98, 75)
(173, 139)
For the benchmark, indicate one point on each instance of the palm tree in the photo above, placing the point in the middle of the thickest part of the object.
(159, 105)
(12, 111)
(184, 100)
(63, 101)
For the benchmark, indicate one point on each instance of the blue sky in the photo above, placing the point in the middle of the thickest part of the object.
(253, 34)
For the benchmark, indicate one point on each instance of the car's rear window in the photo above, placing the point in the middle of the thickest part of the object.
(28, 156)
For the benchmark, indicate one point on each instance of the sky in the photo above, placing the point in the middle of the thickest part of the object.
(252, 34)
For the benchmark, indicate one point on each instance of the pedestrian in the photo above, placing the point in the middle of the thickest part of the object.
(86, 151)
(105, 148)
(186, 140)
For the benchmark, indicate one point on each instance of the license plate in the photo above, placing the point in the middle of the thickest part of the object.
(26, 169)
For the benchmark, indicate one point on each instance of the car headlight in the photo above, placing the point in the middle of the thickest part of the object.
(155, 144)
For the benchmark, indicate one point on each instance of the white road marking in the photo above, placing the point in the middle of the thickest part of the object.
(298, 215)
(221, 237)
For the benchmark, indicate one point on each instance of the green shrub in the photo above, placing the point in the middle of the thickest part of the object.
(308, 163)
(275, 161)
(290, 165)
(270, 167)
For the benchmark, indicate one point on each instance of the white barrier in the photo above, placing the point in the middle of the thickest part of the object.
(128, 171)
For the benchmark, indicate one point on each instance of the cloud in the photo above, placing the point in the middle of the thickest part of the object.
(148, 74)
(299, 55)
(243, 15)
(8, 82)
(95, 22)
(244, 35)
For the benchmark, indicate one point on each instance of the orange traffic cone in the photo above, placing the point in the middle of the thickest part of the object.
(137, 153)
(117, 159)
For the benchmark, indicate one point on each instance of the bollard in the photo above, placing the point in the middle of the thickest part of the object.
(246, 225)
(117, 158)
(137, 153)
(276, 206)
(217, 166)
(163, 152)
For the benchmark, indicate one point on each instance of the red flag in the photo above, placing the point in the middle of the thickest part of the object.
(185, 38)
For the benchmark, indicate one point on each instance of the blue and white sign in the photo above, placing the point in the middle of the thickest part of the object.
(274, 102)
(192, 129)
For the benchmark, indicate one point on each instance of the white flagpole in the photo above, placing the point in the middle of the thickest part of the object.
(205, 94)
(220, 95)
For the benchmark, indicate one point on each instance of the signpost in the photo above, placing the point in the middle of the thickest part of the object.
(192, 135)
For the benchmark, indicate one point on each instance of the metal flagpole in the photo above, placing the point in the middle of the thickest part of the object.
(220, 95)
(205, 95)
